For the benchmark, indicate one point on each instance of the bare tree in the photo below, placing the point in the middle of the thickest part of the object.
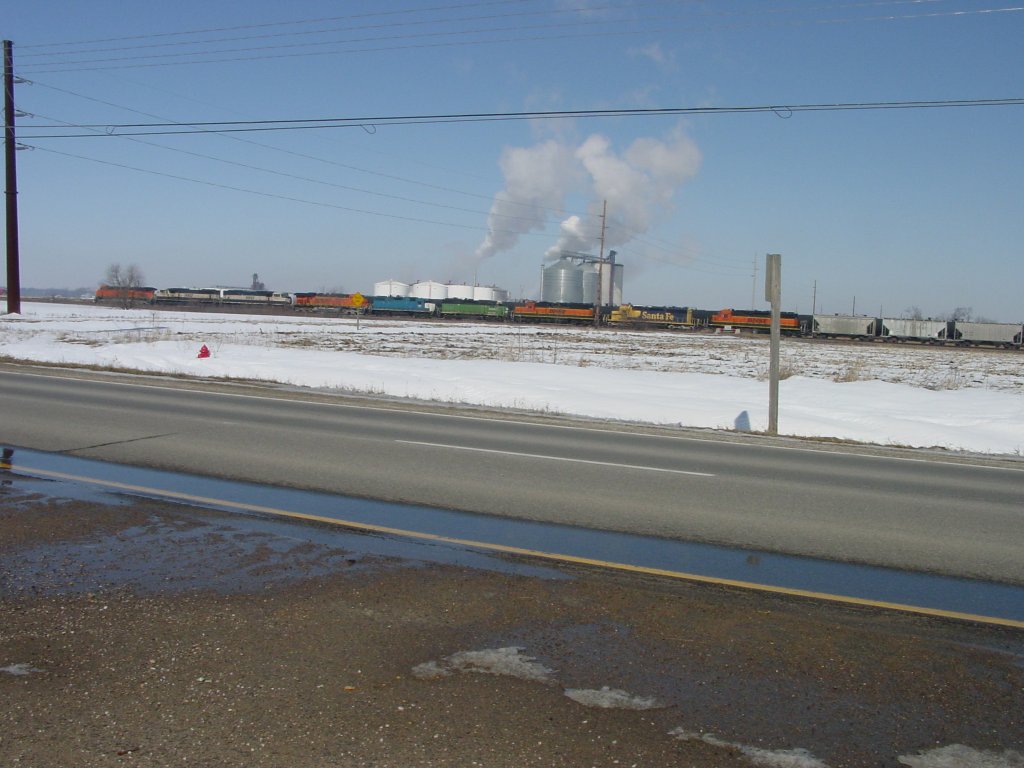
(962, 314)
(126, 281)
(913, 313)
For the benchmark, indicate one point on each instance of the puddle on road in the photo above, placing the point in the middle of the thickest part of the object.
(764, 568)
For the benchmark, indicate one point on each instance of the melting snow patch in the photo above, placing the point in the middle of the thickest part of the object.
(781, 758)
(19, 669)
(959, 756)
(492, 661)
(610, 698)
(430, 670)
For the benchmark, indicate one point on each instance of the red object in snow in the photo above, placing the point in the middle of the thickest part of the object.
(204, 351)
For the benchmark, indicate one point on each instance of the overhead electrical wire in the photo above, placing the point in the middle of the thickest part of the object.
(684, 253)
(264, 25)
(382, 25)
(293, 153)
(273, 195)
(322, 182)
(692, 261)
(79, 65)
(590, 10)
(245, 126)
(406, 120)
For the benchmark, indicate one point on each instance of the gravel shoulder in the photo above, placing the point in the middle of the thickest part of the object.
(146, 633)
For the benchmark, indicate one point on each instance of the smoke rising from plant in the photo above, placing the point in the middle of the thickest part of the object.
(537, 179)
(638, 185)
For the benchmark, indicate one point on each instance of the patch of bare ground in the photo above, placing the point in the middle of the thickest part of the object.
(308, 658)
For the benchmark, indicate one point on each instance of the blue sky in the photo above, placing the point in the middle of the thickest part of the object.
(882, 210)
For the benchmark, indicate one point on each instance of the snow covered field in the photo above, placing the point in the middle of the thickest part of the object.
(971, 400)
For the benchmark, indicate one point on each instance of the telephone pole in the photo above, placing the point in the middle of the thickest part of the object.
(753, 285)
(773, 294)
(10, 148)
(600, 269)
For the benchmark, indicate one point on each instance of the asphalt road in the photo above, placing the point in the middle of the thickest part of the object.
(926, 513)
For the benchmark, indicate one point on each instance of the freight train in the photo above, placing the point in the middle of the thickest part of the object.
(852, 327)
(221, 296)
(892, 329)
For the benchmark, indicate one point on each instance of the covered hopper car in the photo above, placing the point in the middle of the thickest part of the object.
(844, 326)
(902, 329)
(997, 334)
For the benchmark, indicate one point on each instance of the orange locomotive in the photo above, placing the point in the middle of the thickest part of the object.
(354, 303)
(111, 293)
(534, 310)
(789, 322)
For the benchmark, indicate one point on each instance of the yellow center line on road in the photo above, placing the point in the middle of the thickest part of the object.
(521, 551)
(556, 458)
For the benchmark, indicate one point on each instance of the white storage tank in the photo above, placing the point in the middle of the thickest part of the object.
(483, 293)
(390, 288)
(500, 294)
(429, 289)
(460, 291)
(562, 283)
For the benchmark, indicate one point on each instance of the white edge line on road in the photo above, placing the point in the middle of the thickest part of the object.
(556, 458)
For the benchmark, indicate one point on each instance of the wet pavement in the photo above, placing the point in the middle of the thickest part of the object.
(137, 628)
(755, 568)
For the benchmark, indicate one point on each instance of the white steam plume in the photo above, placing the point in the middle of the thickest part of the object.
(536, 178)
(637, 184)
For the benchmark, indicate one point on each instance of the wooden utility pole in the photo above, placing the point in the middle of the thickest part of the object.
(773, 294)
(753, 286)
(600, 268)
(10, 149)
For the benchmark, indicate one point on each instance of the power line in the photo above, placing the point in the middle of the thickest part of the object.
(289, 198)
(280, 23)
(589, 10)
(351, 28)
(78, 66)
(322, 204)
(687, 254)
(292, 153)
(335, 185)
(242, 126)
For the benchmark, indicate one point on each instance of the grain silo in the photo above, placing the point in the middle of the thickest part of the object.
(562, 283)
